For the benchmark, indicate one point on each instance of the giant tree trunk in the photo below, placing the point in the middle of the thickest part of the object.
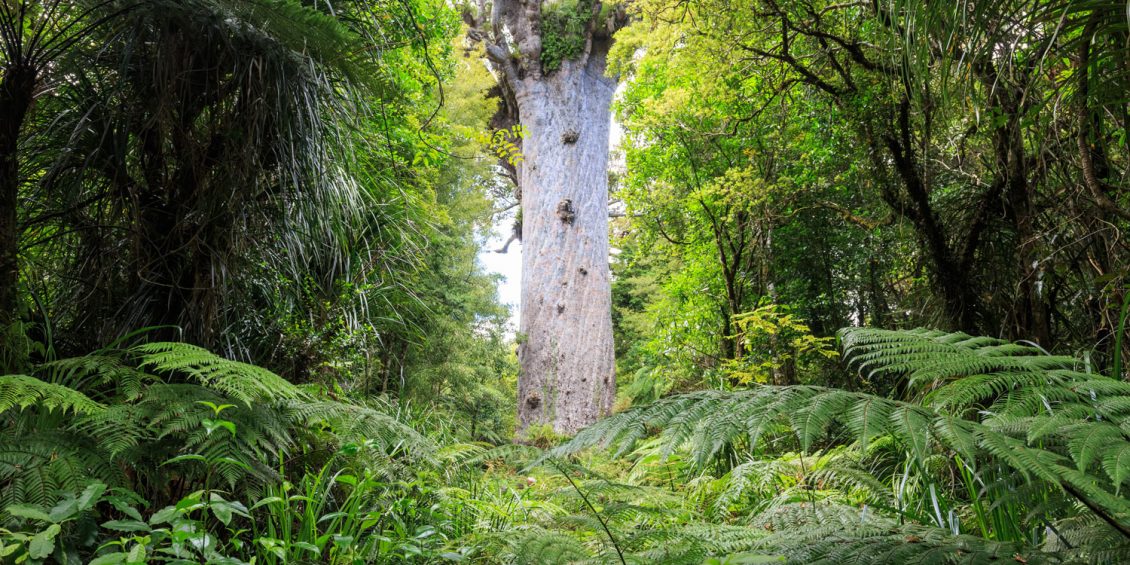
(567, 375)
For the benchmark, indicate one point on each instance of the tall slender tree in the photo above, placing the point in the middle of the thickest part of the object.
(549, 58)
(34, 35)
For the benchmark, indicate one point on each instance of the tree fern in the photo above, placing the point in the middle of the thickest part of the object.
(355, 422)
(101, 374)
(24, 392)
(988, 402)
(150, 411)
(760, 483)
(676, 544)
(35, 467)
(545, 546)
(840, 534)
(240, 381)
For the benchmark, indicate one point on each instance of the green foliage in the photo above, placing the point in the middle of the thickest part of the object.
(851, 162)
(56, 532)
(504, 143)
(273, 179)
(24, 392)
(564, 31)
(839, 534)
(775, 341)
(331, 513)
(199, 419)
(564, 513)
(160, 430)
(240, 381)
(1032, 431)
(276, 180)
(293, 201)
(542, 436)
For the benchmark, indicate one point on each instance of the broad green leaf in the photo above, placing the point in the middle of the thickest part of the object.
(127, 526)
(28, 511)
(307, 546)
(43, 543)
(110, 559)
(164, 515)
(90, 495)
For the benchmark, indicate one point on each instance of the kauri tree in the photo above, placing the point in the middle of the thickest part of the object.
(549, 58)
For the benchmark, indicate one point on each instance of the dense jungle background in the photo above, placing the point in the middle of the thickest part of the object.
(869, 284)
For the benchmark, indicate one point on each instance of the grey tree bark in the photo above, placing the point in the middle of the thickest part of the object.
(566, 354)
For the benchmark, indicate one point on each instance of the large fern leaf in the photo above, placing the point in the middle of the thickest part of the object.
(23, 391)
(989, 402)
(240, 381)
(831, 535)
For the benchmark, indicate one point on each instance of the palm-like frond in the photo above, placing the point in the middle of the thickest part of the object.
(154, 408)
(35, 467)
(107, 374)
(23, 391)
(354, 422)
(241, 381)
(841, 534)
(987, 402)
(674, 544)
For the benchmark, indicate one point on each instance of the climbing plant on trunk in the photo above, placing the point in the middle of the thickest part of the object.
(549, 58)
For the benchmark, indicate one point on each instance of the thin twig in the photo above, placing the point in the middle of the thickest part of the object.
(612, 538)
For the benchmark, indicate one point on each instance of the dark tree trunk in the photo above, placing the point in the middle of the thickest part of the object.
(17, 92)
(949, 274)
(1029, 309)
(877, 300)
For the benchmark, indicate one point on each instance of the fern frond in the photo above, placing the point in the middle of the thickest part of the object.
(839, 534)
(357, 423)
(989, 402)
(978, 369)
(24, 391)
(118, 428)
(35, 468)
(241, 381)
(536, 545)
(83, 373)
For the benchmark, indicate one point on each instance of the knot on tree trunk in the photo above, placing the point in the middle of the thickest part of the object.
(566, 212)
(570, 137)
